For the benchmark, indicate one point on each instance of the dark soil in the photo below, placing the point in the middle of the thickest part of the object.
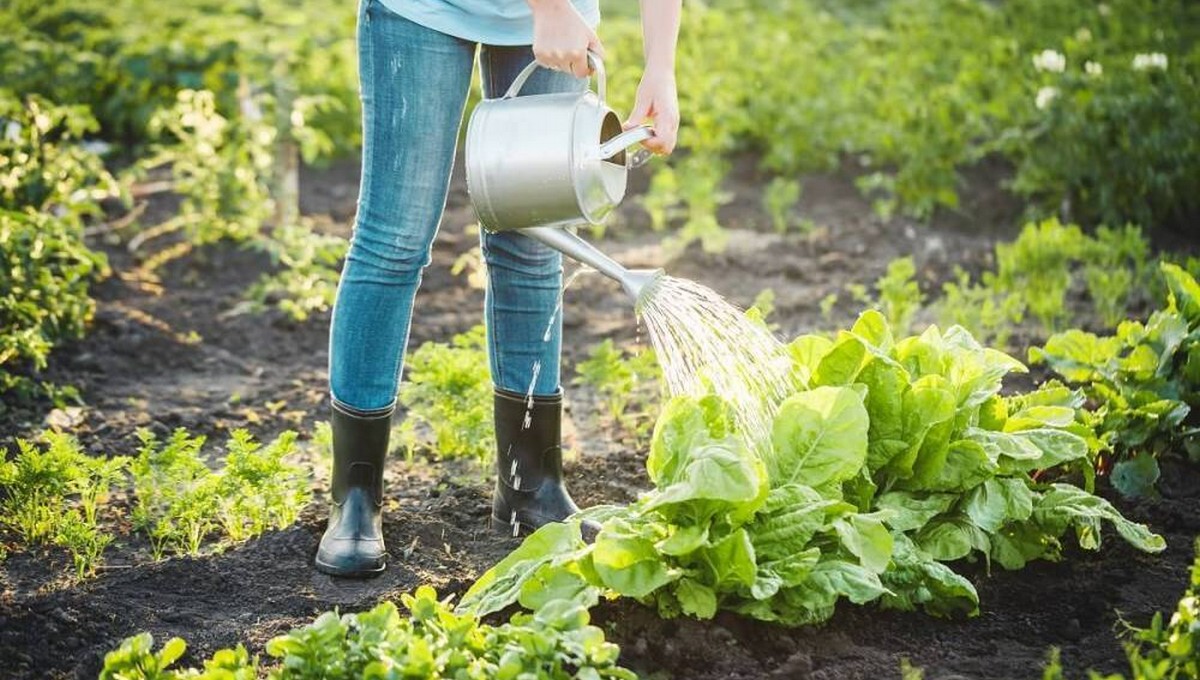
(174, 353)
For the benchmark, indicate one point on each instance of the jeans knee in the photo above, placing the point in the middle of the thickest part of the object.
(398, 258)
(519, 254)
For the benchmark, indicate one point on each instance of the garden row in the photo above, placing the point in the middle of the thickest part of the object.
(896, 460)
(54, 493)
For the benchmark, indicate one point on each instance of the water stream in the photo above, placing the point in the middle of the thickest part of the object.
(704, 344)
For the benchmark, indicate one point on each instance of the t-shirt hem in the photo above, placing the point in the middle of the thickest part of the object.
(480, 29)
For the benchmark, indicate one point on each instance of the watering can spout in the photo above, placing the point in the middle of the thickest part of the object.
(634, 281)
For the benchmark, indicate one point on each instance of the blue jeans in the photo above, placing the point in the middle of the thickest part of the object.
(414, 83)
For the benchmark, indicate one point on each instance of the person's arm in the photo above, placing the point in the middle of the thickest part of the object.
(561, 38)
(657, 98)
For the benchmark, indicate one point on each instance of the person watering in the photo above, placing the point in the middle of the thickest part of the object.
(415, 64)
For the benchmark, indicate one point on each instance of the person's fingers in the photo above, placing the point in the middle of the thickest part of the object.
(666, 132)
(575, 62)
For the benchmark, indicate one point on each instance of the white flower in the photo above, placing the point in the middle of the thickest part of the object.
(1145, 62)
(1103, 9)
(1049, 60)
(1093, 69)
(1083, 34)
(1045, 96)
(12, 131)
(96, 146)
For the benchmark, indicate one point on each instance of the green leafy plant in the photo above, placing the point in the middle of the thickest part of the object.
(1116, 136)
(83, 539)
(1115, 271)
(1037, 272)
(627, 383)
(52, 496)
(307, 278)
(181, 502)
(432, 642)
(1145, 381)
(49, 184)
(895, 457)
(779, 199)
(762, 308)
(449, 392)
(987, 313)
(219, 165)
(899, 295)
(260, 489)
(176, 500)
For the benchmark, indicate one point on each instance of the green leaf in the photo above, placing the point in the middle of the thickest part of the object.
(806, 352)
(963, 465)
(820, 436)
(731, 561)
(867, 539)
(679, 426)
(1076, 355)
(917, 580)
(1065, 504)
(696, 598)
(997, 501)
(1136, 476)
(873, 328)
(1185, 292)
(710, 471)
(912, 510)
(785, 572)
(1055, 446)
(627, 562)
(949, 538)
(501, 585)
(791, 516)
(841, 365)
(1018, 543)
(859, 584)
(554, 583)
(684, 540)
(887, 386)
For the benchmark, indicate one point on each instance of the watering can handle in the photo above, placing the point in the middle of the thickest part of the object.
(623, 141)
(594, 61)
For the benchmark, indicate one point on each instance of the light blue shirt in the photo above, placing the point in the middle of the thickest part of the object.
(491, 22)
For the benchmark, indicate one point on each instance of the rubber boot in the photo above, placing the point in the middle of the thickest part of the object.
(529, 478)
(353, 541)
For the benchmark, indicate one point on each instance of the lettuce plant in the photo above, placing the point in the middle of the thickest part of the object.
(895, 458)
(1144, 380)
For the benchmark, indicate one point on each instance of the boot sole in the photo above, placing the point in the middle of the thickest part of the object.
(331, 570)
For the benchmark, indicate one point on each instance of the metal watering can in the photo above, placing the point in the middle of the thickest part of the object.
(544, 163)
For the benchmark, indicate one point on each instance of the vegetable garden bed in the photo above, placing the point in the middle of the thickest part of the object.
(176, 357)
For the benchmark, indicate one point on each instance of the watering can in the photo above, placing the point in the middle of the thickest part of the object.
(543, 164)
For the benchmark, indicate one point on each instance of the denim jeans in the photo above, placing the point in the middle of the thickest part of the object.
(414, 83)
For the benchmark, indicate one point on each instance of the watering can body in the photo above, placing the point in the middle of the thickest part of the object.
(545, 163)
(547, 159)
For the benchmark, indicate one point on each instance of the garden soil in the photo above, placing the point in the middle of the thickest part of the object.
(177, 349)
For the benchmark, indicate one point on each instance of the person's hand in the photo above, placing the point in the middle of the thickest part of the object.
(561, 38)
(657, 100)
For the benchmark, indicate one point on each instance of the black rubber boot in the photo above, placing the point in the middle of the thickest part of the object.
(353, 541)
(529, 479)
